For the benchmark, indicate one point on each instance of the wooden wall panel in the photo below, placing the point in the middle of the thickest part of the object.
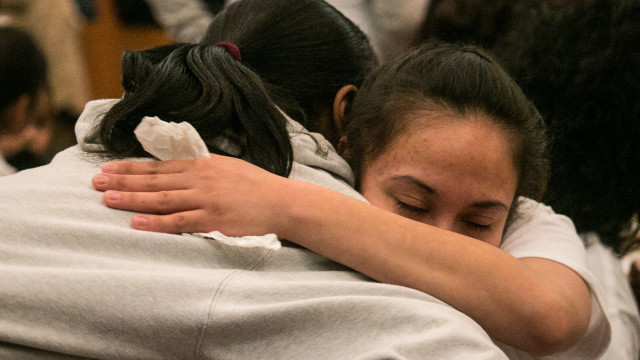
(104, 40)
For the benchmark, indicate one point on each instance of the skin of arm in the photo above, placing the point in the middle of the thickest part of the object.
(533, 304)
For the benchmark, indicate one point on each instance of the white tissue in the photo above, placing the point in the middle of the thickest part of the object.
(268, 241)
(171, 141)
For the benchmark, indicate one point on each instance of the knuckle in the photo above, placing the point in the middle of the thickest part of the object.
(164, 201)
(180, 220)
(119, 181)
(153, 183)
(177, 223)
(202, 165)
(154, 167)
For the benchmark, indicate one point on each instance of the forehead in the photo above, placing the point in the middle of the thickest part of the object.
(441, 127)
(469, 151)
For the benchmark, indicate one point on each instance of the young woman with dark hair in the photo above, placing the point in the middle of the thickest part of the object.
(445, 139)
(218, 93)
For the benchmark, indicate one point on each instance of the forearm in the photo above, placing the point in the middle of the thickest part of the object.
(497, 290)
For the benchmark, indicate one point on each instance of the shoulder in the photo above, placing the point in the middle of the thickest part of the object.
(538, 231)
(618, 299)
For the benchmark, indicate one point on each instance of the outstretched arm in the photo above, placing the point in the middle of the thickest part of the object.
(532, 304)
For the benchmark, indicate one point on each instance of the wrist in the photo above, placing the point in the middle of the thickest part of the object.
(295, 208)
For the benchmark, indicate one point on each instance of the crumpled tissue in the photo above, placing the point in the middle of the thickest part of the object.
(172, 141)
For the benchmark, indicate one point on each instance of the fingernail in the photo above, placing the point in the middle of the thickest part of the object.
(112, 195)
(109, 167)
(102, 180)
(139, 222)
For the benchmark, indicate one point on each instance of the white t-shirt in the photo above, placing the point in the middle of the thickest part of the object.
(540, 232)
(619, 302)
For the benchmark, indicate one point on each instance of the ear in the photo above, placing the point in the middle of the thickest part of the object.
(341, 106)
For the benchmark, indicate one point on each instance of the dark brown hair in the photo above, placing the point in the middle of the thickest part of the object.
(296, 54)
(459, 79)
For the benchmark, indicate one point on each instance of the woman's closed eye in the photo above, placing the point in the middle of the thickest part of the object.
(477, 226)
(484, 221)
(404, 208)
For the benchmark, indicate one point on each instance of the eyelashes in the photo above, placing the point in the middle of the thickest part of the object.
(415, 212)
(477, 226)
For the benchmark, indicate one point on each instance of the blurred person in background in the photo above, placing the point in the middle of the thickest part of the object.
(56, 28)
(391, 25)
(25, 124)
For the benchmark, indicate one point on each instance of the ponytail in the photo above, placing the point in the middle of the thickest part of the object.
(206, 86)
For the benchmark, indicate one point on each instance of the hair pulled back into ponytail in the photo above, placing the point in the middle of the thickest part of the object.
(296, 55)
(206, 87)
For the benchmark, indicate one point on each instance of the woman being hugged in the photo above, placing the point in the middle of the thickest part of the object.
(229, 82)
(449, 152)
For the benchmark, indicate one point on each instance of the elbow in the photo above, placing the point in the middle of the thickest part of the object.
(557, 327)
(553, 336)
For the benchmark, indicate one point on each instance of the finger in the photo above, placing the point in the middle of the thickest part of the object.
(161, 202)
(149, 167)
(139, 183)
(182, 222)
(144, 167)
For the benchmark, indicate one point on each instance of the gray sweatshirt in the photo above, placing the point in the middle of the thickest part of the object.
(77, 282)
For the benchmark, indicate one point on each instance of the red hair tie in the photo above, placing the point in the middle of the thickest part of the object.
(231, 49)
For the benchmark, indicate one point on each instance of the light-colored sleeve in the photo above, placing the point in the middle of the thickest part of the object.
(619, 301)
(184, 20)
(539, 232)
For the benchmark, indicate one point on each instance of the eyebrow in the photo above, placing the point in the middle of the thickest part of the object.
(489, 204)
(414, 181)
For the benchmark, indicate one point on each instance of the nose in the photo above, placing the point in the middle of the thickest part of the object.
(444, 222)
